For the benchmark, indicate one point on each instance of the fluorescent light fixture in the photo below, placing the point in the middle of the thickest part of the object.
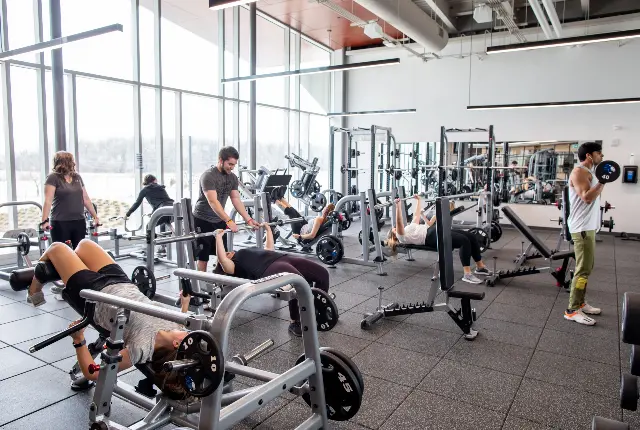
(223, 4)
(57, 43)
(557, 104)
(339, 68)
(372, 112)
(568, 41)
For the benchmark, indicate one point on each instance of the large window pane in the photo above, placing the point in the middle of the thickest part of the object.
(190, 47)
(319, 146)
(271, 146)
(21, 28)
(271, 58)
(108, 174)
(147, 46)
(315, 89)
(200, 147)
(245, 51)
(4, 224)
(169, 141)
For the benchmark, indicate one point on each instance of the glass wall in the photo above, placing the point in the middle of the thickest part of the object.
(105, 111)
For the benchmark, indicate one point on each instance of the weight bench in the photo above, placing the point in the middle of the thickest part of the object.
(442, 279)
(560, 273)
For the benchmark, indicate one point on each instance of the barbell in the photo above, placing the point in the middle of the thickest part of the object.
(194, 235)
(607, 171)
(422, 194)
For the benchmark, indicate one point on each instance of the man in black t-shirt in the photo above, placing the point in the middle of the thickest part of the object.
(217, 184)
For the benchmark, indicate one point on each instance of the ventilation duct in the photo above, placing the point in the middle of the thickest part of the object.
(408, 18)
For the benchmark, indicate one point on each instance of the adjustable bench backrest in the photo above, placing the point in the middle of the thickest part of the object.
(443, 233)
(526, 231)
(565, 212)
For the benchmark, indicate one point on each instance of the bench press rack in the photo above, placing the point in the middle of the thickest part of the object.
(442, 279)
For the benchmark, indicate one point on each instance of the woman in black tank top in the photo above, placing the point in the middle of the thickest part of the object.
(255, 263)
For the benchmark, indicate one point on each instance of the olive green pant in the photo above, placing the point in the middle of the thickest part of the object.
(584, 246)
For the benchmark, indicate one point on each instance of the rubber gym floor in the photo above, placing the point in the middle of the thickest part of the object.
(527, 369)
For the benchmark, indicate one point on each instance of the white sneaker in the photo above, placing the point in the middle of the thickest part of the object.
(579, 317)
(588, 309)
(470, 278)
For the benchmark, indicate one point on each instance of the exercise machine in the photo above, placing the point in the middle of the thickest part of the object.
(307, 189)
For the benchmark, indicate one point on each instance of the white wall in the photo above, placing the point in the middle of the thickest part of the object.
(440, 90)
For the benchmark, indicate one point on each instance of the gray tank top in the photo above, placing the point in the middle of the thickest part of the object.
(583, 216)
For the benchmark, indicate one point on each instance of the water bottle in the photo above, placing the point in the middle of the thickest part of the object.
(632, 160)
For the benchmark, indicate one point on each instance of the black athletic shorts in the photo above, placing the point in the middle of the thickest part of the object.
(88, 279)
(73, 231)
(207, 245)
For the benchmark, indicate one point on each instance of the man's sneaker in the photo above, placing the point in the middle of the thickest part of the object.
(590, 310)
(295, 329)
(483, 271)
(578, 317)
(470, 278)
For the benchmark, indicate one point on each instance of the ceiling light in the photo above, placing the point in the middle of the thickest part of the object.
(58, 42)
(568, 41)
(339, 68)
(223, 4)
(557, 104)
(372, 112)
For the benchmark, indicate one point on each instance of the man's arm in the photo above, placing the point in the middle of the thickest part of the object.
(582, 185)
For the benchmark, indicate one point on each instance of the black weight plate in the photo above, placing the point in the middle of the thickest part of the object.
(24, 244)
(144, 280)
(349, 362)
(342, 392)
(608, 171)
(631, 318)
(629, 392)
(329, 250)
(297, 188)
(634, 360)
(346, 221)
(482, 236)
(316, 187)
(496, 232)
(317, 202)
(203, 379)
(326, 310)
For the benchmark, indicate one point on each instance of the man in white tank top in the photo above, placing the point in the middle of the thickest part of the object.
(584, 208)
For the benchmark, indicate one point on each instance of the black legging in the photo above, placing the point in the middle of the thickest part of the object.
(316, 275)
(296, 226)
(73, 231)
(467, 242)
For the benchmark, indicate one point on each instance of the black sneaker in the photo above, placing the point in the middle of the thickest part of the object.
(295, 329)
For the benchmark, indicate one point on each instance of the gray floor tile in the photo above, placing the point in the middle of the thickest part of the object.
(437, 320)
(508, 332)
(482, 387)
(394, 364)
(346, 300)
(420, 339)
(556, 406)
(602, 350)
(263, 304)
(17, 311)
(293, 414)
(347, 344)
(65, 364)
(491, 355)
(427, 411)
(68, 314)
(73, 413)
(31, 391)
(5, 300)
(367, 284)
(607, 325)
(533, 316)
(515, 297)
(349, 324)
(53, 305)
(15, 362)
(30, 328)
(548, 288)
(380, 399)
(264, 328)
(515, 423)
(590, 376)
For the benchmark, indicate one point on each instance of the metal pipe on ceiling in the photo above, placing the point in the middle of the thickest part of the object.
(550, 7)
(542, 18)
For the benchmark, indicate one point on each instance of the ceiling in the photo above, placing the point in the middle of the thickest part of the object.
(456, 16)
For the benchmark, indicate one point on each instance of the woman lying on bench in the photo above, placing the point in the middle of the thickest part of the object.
(303, 230)
(255, 263)
(147, 339)
(425, 235)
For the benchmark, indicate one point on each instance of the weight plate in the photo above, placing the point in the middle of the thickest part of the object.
(316, 187)
(317, 202)
(144, 280)
(297, 189)
(631, 318)
(634, 360)
(608, 171)
(203, 379)
(629, 392)
(481, 235)
(342, 392)
(346, 221)
(326, 310)
(329, 250)
(349, 362)
(24, 244)
(496, 231)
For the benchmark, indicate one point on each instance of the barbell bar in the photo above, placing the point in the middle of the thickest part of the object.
(194, 236)
(422, 194)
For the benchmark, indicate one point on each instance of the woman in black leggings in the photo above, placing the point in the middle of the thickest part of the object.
(255, 263)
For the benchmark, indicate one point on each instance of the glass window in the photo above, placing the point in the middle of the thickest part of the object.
(228, 50)
(4, 224)
(51, 135)
(200, 145)
(315, 89)
(228, 123)
(169, 141)
(148, 131)
(243, 145)
(21, 32)
(108, 177)
(271, 58)
(319, 146)
(271, 145)
(190, 47)
(245, 50)
(147, 45)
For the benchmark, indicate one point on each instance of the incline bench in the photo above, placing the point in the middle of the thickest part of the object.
(560, 274)
(442, 279)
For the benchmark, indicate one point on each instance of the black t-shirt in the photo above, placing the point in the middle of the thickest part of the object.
(251, 263)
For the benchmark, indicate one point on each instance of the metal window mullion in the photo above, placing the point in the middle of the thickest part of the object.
(157, 48)
(57, 77)
(287, 86)
(221, 71)
(42, 94)
(179, 147)
(236, 73)
(296, 94)
(253, 107)
(137, 96)
(72, 100)
(10, 159)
